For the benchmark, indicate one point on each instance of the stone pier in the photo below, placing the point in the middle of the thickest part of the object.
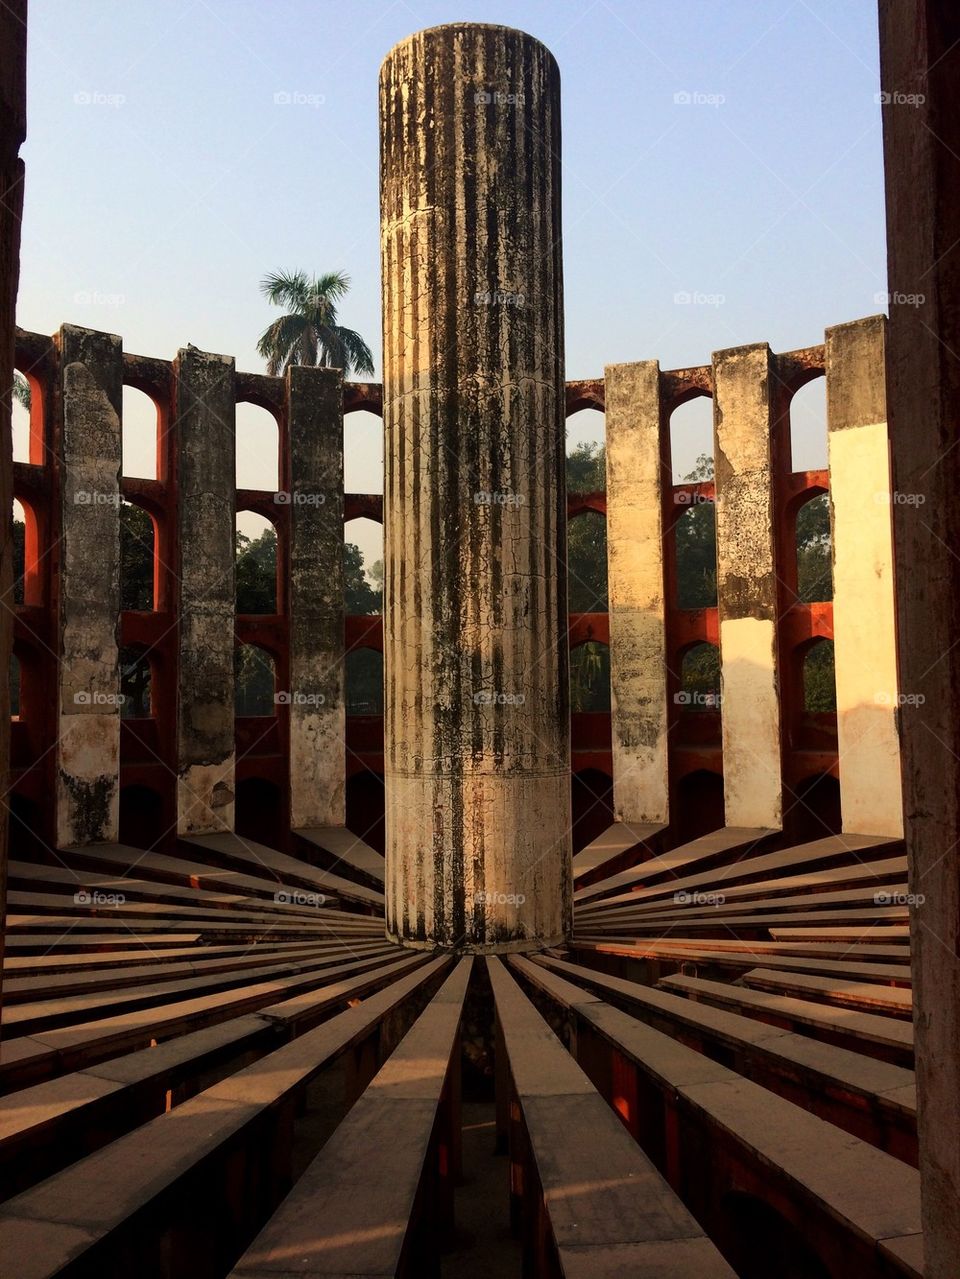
(477, 763)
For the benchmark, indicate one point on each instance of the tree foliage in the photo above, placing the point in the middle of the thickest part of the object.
(309, 332)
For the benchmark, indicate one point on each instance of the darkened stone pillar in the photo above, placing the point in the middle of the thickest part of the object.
(315, 483)
(13, 130)
(476, 713)
(206, 512)
(88, 590)
(920, 77)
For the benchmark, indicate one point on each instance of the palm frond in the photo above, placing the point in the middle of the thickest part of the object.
(279, 340)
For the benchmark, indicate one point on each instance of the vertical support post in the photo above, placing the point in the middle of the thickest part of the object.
(88, 597)
(206, 514)
(635, 585)
(747, 587)
(315, 492)
(864, 617)
(477, 749)
(920, 71)
(13, 130)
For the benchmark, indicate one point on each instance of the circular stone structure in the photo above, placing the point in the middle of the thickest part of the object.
(477, 755)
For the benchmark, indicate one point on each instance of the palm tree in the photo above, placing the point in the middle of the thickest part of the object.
(21, 389)
(309, 332)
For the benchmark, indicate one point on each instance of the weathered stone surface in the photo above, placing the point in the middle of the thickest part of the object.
(477, 745)
(864, 620)
(920, 72)
(88, 741)
(316, 710)
(206, 453)
(635, 585)
(747, 588)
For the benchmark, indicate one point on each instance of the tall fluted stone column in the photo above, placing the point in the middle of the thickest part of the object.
(476, 670)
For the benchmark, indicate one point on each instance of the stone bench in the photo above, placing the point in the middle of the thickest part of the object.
(886, 1038)
(377, 1200)
(873, 1100)
(186, 1192)
(620, 844)
(31, 1059)
(47, 1126)
(736, 1152)
(587, 1199)
(862, 995)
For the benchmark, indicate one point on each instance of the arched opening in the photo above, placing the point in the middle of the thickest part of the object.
(255, 689)
(19, 550)
(759, 1242)
(591, 799)
(138, 553)
(362, 566)
(26, 830)
(590, 677)
(586, 451)
(256, 565)
(14, 686)
(699, 808)
(140, 425)
(587, 563)
(813, 811)
(819, 679)
(363, 682)
(814, 551)
(362, 452)
(365, 808)
(695, 534)
(700, 679)
(808, 426)
(258, 448)
(691, 440)
(28, 440)
(141, 817)
(136, 680)
(259, 811)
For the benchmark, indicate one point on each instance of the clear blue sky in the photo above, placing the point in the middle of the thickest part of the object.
(154, 208)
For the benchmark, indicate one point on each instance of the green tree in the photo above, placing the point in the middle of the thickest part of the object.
(309, 333)
(587, 468)
(256, 572)
(587, 534)
(21, 390)
(19, 533)
(359, 597)
(819, 681)
(696, 542)
(136, 557)
(814, 553)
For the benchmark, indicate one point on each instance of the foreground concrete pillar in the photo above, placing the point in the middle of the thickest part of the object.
(13, 129)
(315, 486)
(920, 75)
(864, 619)
(638, 653)
(88, 599)
(747, 588)
(206, 512)
(477, 740)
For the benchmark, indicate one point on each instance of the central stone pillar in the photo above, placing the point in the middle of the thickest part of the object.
(477, 756)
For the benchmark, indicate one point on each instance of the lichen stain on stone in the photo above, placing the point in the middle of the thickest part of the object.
(90, 803)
